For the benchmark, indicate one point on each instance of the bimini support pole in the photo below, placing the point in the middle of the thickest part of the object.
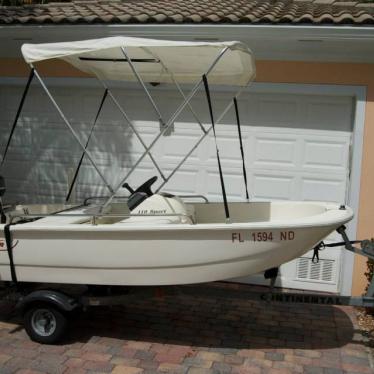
(207, 92)
(129, 121)
(168, 124)
(87, 142)
(241, 147)
(9, 247)
(67, 123)
(19, 110)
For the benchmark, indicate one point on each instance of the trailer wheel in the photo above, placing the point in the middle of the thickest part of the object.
(44, 323)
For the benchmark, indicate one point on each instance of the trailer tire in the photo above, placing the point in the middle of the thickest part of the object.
(44, 323)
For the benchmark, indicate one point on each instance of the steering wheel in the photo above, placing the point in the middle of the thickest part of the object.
(145, 187)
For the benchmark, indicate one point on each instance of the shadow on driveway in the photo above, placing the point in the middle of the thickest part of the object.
(206, 320)
(218, 322)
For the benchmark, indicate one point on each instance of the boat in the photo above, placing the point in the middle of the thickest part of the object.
(153, 237)
(191, 245)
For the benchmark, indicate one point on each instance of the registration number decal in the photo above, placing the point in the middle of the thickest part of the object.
(264, 236)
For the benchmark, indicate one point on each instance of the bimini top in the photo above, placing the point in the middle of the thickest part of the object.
(154, 60)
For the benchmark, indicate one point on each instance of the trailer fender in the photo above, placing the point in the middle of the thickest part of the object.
(60, 300)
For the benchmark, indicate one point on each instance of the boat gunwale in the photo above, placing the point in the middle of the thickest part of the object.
(275, 225)
(332, 214)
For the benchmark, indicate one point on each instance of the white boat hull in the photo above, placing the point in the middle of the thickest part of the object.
(164, 254)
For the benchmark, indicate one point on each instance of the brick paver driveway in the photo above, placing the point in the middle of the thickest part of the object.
(196, 334)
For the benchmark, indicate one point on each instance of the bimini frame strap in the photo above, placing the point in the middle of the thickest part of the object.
(241, 147)
(88, 140)
(19, 110)
(9, 246)
(206, 86)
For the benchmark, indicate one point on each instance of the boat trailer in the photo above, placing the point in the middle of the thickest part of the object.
(46, 308)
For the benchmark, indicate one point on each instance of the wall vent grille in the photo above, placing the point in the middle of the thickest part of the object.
(323, 271)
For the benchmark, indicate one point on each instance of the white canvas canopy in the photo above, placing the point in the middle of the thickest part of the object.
(154, 59)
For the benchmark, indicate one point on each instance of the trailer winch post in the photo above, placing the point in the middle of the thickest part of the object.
(370, 291)
(367, 300)
(366, 250)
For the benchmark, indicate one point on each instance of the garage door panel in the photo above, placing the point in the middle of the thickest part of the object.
(56, 175)
(10, 97)
(319, 189)
(89, 183)
(22, 147)
(277, 111)
(146, 171)
(88, 174)
(301, 130)
(185, 182)
(324, 154)
(147, 130)
(21, 180)
(36, 98)
(333, 114)
(302, 150)
(275, 151)
(233, 183)
(229, 152)
(172, 149)
(54, 138)
(199, 105)
(272, 186)
(113, 143)
(107, 161)
(289, 111)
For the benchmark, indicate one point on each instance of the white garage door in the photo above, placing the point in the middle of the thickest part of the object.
(297, 147)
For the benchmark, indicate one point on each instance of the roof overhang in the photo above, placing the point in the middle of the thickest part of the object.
(268, 42)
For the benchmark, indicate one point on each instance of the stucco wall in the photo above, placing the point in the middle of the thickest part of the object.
(287, 72)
